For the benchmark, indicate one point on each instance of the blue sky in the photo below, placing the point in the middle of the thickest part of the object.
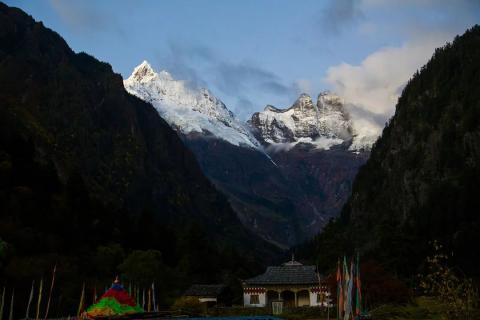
(256, 52)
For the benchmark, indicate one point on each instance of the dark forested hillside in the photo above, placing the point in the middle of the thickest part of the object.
(422, 181)
(91, 178)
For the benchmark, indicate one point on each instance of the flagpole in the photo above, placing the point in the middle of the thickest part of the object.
(82, 301)
(30, 298)
(149, 300)
(39, 299)
(137, 294)
(2, 304)
(50, 293)
(153, 297)
(11, 305)
(95, 293)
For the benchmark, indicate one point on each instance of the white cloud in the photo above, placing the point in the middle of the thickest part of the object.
(371, 89)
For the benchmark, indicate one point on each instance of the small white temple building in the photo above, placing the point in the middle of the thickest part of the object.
(292, 283)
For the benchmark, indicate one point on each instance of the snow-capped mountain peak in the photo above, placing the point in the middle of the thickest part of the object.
(304, 102)
(323, 124)
(188, 109)
(143, 72)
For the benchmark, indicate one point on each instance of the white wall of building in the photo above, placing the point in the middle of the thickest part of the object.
(262, 299)
(302, 300)
(313, 299)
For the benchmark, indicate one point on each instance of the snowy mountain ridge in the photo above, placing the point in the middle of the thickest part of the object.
(186, 109)
(323, 125)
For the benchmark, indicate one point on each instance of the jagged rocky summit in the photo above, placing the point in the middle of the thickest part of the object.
(324, 124)
(188, 110)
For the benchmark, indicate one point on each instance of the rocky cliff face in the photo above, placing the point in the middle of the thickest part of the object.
(422, 180)
(323, 124)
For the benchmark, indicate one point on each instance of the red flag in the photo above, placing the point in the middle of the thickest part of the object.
(358, 306)
(339, 292)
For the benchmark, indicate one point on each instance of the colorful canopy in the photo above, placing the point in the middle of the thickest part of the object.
(115, 302)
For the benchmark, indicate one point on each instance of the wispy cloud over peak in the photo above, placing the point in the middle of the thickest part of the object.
(239, 83)
(372, 87)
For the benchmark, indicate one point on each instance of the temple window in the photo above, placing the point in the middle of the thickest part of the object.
(254, 299)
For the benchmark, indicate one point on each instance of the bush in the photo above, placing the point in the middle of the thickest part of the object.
(455, 291)
(188, 304)
(381, 287)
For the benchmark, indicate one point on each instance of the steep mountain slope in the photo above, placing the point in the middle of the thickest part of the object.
(186, 109)
(84, 166)
(257, 189)
(284, 201)
(422, 181)
(324, 179)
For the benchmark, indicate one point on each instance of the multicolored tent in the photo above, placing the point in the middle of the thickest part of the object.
(115, 302)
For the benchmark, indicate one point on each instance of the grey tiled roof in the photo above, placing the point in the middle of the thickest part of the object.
(286, 274)
(205, 290)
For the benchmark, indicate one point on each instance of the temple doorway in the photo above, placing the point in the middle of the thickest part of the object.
(288, 298)
(272, 296)
(303, 298)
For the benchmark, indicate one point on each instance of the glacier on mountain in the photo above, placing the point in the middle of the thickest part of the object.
(188, 109)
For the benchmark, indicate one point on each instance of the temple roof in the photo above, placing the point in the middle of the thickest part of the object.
(289, 273)
(205, 290)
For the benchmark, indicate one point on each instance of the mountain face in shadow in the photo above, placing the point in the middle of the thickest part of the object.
(422, 180)
(285, 198)
(285, 172)
(84, 164)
